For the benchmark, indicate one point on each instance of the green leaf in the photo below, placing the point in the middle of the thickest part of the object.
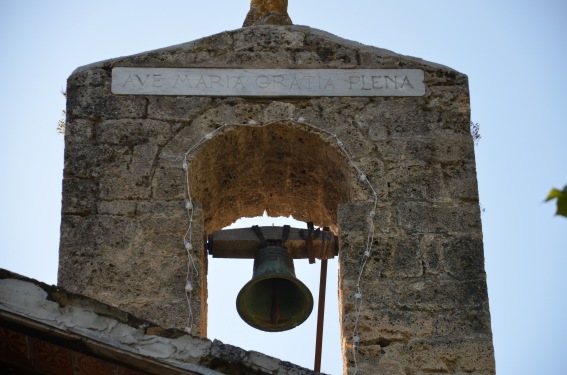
(554, 193)
(561, 200)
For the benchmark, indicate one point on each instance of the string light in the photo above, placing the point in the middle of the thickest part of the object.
(188, 286)
(188, 204)
(192, 271)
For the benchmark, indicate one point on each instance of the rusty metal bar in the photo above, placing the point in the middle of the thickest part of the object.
(320, 315)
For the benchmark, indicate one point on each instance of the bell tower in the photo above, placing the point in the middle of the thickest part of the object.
(165, 147)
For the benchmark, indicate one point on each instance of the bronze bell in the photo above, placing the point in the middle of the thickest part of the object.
(274, 300)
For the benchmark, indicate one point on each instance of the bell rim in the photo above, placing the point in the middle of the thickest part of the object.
(294, 280)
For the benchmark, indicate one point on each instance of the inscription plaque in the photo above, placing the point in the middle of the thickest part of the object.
(268, 82)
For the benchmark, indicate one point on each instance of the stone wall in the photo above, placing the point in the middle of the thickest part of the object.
(424, 304)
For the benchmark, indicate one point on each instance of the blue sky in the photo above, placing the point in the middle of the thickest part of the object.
(514, 53)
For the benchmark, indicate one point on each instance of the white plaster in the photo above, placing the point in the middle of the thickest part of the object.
(27, 299)
(189, 348)
(156, 347)
(72, 316)
(125, 334)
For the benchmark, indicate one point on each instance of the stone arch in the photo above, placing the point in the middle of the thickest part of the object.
(285, 168)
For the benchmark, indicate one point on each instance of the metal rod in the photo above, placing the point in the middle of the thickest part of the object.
(320, 315)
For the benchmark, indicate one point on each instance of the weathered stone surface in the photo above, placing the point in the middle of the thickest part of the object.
(133, 133)
(177, 108)
(79, 132)
(421, 217)
(79, 196)
(396, 171)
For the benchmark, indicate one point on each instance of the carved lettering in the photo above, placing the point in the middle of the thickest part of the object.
(216, 80)
(140, 79)
(157, 80)
(394, 81)
(364, 82)
(268, 82)
(279, 80)
(329, 84)
(406, 81)
(129, 80)
(354, 80)
(376, 83)
(262, 82)
(201, 83)
(309, 78)
(239, 82)
(295, 84)
(182, 80)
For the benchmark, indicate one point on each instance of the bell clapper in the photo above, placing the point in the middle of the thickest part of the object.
(275, 312)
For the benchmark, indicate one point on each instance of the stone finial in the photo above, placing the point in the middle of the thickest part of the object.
(267, 12)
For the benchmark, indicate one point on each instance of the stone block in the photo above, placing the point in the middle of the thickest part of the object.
(245, 112)
(414, 183)
(449, 99)
(266, 59)
(129, 176)
(172, 210)
(395, 119)
(456, 149)
(307, 58)
(450, 355)
(162, 236)
(176, 108)
(97, 102)
(91, 77)
(432, 249)
(460, 181)
(90, 161)
(387, 327)
(464, 257)
(133, 132)
(400, 257)
(421, 217)
(462, 323)
(272, 38)
(117, 207)
(218, 42)
(79, 132)
(278, 111)
(77, 236)
(168, 184)
(79, 196)
(353, 219)
(432, 294)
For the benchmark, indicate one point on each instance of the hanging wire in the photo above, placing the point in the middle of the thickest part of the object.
(192, 270)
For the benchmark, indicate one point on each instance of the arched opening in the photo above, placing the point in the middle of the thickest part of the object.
(283, 169)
